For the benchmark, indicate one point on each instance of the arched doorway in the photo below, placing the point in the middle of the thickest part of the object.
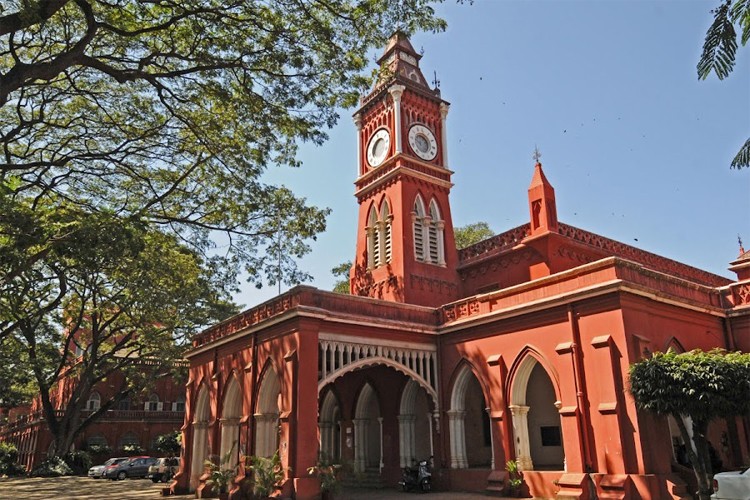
(330, 428)
(414, 425)
(536, 419)
(267, 414)
(231, 411)
(200, 437)
(368, 452)
(468, 422)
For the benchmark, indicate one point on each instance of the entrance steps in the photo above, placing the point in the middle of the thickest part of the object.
(369, 479)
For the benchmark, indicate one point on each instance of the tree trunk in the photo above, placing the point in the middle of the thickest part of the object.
(699, 456)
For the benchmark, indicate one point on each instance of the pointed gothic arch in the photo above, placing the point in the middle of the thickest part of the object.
(368, 431)
(329, 422)
(468, 421)
(231, 412)
(267, 413)
(534, 404)
(414, 425)
(675, 345)
(373, 237)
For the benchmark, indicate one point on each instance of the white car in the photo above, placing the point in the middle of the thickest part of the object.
(97, 471)
(733, 485)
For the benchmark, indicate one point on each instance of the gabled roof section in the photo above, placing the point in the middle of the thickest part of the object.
(401, 62)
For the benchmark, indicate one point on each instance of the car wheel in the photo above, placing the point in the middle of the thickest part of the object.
(121, 475)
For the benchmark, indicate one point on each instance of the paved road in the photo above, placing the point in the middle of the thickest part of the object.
(75, 488)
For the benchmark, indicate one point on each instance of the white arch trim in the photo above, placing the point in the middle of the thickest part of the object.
(232, 406)
(458, 394)
(379, 360)
(328, 408)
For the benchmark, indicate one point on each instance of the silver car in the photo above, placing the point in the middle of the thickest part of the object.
(97, 471)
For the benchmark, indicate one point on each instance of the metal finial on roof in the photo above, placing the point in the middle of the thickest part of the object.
(436, 82)
(739, 240)
(537, 155)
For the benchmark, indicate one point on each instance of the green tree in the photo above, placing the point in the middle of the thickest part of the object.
(472, 233)
(703, 386)
(342, 273)
(108, 295)
(720, 50)
(170, 443)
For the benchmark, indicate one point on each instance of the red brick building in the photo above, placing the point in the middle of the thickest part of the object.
(514, 348)
(134, 422)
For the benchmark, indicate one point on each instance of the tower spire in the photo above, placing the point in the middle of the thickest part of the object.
(542, 207)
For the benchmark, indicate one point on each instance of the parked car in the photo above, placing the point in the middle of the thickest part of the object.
(134, 467)
(97, 471)
(733, 485)
(163, 469)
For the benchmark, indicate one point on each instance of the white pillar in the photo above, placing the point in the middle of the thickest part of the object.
(406, 439)
(521, 434)
(444, 106)
(441, 242)
(396, 92)
(358, 124)
(230, 435)
(457, 436)
(492, 438)
(360, 444)
(380, 442)
(200, 434)
(432, 444)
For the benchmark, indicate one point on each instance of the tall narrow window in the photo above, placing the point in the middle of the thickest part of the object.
(437, 253)
(385, 233)
(153, 403)
(373, 245)
(418, 223)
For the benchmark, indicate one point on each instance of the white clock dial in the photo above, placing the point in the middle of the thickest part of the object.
(422, 142)
(378, 147)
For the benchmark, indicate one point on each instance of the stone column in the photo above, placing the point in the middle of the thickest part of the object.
(521, 434)
(198, 456)
(360, 443)
(380, 442)
(358, 124)
(396, 92)
(444, 106)
(406, 439)
(230, 434)
(456, 419)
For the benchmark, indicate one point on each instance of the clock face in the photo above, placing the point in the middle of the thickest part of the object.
(422, 142)
(378, 147)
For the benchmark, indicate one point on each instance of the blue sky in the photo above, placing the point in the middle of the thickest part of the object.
(637, 148)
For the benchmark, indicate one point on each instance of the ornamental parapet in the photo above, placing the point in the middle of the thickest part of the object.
(656, 262)
(496, 244)
(611, 274)
(312, 300)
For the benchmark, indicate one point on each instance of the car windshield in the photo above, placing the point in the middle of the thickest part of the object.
(111, 461)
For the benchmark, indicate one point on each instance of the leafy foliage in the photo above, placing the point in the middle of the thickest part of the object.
(170, 443)
(472, 233)
(700, 385)
(720, 51)
(267, 474)
(220, 475)
(52, 467)
(8, 460)
(342, 272)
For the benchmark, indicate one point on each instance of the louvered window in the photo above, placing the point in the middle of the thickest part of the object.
(418, 225)
(385, 233)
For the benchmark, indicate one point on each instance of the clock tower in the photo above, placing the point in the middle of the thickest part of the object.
(406, 250)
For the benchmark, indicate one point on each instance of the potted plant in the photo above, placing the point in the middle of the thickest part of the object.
(328, 474)
(221, 475)
(267, 474)
(515, 478)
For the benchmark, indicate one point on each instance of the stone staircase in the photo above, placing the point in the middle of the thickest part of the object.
(369, 479)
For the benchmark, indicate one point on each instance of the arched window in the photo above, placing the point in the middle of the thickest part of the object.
(94, 402)
(418, 222)
(179, 404)
(437, 254)
(153, 403)
(385, 233)
(373, 243)
(129, 440)
(124, 404)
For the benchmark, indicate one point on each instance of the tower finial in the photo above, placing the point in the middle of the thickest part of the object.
(537, 155)
(739, 240)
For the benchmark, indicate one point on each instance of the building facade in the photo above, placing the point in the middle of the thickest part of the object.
(133, 425)
(516, 348)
